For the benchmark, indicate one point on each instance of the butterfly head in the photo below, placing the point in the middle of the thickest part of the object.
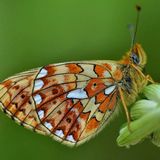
(136, 57)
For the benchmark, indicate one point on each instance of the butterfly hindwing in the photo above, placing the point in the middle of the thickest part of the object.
(70, 101)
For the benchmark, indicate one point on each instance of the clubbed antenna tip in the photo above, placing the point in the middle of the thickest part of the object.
(138, 8)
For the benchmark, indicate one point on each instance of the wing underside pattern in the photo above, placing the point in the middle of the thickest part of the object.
(70, 102)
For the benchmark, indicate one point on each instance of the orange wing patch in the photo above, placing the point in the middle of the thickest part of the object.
(74, 68)
(62, 69)
(94, 86)
(102, 72)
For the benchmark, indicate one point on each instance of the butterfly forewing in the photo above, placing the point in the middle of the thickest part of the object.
(70, 101)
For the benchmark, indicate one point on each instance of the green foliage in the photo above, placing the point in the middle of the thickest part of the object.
(145, 115)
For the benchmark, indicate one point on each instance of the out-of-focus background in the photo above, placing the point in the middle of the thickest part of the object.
(34, 33)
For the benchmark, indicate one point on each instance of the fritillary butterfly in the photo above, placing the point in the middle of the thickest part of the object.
(73, 101)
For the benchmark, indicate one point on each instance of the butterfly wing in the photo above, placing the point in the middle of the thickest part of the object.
(71, 102)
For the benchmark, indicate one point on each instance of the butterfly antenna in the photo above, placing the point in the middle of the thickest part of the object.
(134, 30)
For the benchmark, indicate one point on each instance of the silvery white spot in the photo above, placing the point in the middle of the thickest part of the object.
(48, 125)
(109, 90)
(78, 94)
(70, 138)
(37, 98)
(38, 84)
(42, 73)
(41, 114)
(107, 74)
(59, 133)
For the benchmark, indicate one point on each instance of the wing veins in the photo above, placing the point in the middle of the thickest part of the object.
(87, 123)
(76, 120)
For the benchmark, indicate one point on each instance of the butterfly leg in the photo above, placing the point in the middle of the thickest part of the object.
(125, 108)
(146, 77)
(149, 79)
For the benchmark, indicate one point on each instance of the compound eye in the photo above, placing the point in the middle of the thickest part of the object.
(135, 59)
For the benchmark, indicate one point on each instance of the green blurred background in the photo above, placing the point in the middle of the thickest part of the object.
(34, 33)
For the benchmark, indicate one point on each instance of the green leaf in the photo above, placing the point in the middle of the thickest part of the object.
(142, 107)
(152, 92)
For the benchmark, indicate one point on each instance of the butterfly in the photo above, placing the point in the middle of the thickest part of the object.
(73, 101)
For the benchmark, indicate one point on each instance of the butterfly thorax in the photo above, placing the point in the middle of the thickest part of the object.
(132, 83)
(133, 79)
